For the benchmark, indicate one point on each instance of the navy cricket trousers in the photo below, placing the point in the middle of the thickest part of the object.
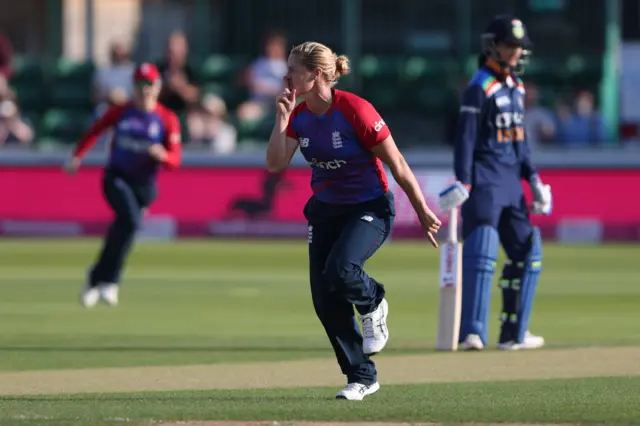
(341, 240)
(509, 216)
(127, 199)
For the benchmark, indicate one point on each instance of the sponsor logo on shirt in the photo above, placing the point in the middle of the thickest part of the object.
(132, 144)
(378, 125)
(327, 165)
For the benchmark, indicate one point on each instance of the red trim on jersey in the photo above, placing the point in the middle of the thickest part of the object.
(88, 140)
(369, 126)
(291, 133)
(172, 137)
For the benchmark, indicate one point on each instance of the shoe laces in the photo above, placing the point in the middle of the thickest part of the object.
(367, 327)
(356, 387)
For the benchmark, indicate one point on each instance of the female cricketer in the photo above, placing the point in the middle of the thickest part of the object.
(146, 135)
(351, 211)
(491, 158)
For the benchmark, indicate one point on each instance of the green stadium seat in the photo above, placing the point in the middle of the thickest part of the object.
(70, 94)
(71, 84)
(29, 84)
(546, 71)
(221, 68)
(67, 69)
(583, 71)
(383, 96)
(232, 94)
(65, 125)
(258, 129)
(380, 67)
(30, 96)
(434, 98)
(421, 67)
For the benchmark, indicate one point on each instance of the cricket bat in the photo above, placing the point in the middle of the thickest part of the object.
(450, 294)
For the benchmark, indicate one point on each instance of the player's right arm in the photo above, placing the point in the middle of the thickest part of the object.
(466, 133)
(283, 141)
(88, 140)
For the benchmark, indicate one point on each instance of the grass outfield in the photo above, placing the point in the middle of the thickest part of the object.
(233, 315)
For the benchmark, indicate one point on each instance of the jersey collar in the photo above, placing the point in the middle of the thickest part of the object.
(496, 69)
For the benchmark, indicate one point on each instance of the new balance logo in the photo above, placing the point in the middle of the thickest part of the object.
(304, 142)
(378, 125)
(367, 218)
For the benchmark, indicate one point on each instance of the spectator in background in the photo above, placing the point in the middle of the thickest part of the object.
(265, 78)
(6, 57)
(179, 89)
(116, 79)
(582, 127)
(208, 125)
(539, 122)
(13, 129)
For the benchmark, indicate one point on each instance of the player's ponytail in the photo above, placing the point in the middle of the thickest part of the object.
(343, 67)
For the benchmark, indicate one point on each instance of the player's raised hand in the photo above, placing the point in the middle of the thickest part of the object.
(286, 101)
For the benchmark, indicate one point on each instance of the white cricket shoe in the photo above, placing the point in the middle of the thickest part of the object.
(357, 391)
(89, 296)
(530, 342)
(109, 293)
(473, 342)
(374, 329)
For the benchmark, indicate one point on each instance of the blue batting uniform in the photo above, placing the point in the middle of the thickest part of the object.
(350, 215)
(492, 156)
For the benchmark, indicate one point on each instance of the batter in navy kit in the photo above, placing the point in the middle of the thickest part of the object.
(351, 212)
(491, 158)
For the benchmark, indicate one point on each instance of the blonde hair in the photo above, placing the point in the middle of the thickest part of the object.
(316, 55)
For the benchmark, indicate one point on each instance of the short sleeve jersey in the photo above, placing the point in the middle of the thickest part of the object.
(337, 145)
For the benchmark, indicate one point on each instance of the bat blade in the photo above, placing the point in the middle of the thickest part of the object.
(450, 296)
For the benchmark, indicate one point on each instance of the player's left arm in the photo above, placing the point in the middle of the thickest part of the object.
(375, 136)
(172, 140)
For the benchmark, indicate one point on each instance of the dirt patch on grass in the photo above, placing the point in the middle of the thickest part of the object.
(432, 368)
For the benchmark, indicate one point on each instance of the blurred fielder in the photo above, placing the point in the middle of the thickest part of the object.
(146, 138)
(491, 158)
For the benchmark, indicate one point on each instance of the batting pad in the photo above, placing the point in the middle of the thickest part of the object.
(479, 256)
(529, 283)
(453, 196)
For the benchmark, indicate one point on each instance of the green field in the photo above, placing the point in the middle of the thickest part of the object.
(226, 331)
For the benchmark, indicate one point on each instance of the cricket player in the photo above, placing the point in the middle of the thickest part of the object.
(491, 158)
(146, 135)
(351, 211)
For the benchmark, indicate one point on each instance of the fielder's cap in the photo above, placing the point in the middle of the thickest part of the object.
(146, 72)
(509, 29)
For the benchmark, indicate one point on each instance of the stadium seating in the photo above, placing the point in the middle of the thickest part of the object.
(58, 96)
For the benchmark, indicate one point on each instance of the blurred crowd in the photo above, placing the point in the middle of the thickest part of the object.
(207, 115)
(570, 123)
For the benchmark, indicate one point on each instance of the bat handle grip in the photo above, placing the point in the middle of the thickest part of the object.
(452, 229)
